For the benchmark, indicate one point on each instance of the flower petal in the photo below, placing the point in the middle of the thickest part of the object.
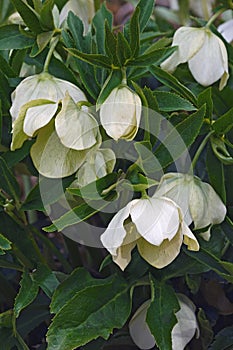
(156, 219)
(123, 256)
(162, 255)
(189, 238)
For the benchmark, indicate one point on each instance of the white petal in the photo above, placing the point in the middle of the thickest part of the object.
(76, 129)
(139, 330)
(209, 63)
(37, 117)
(189, 41)
(113, 236)
(189, 238)
(162, 255)
(186, 327)
(156, 219)
(226, 29)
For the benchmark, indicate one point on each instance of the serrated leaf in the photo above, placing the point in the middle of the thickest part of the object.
(169, 80)
(146, 8)
(134, 32)
(169, 102)
(179, 138)
(111, 44)
(161, 313)
(224, 124)
(78, 280)
(6, 68)
(11, 38)
(89, 314)
(95, 59)
(79, 214)
(29, 15)
(102, 15)
(123, 49)
(205, 97)
(8, 182)
(114, 80)
(154, 57)
(46, 15)
(45, 278)
(27, 293)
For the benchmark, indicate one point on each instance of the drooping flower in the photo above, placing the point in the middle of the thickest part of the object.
(41, 86)
(205, 53)
(183, 331)
(97, 164)
(120, 113)
(197, 199)
(155, 225)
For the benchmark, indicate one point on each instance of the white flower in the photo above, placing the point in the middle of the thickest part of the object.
(226, 29)
(155, 225)
(198, 200)
(36, 87)
(97, 164)
(183, 331)
(85, 9)
(120, 113)
(205, 53)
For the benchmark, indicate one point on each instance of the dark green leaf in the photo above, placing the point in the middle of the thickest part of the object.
(27, 293)
(223, 340)
(12, 38)
(114, 80)
(169, 102)
(46, 279)
(224, 124)
(161, 312)
(95, 59)
(111, 44)
(146, 8)
(134, 33)
(5, 244)
(89, 314)
(98, 21)
(123, 49)
(29, 15)
(152, 58)
(205, 97)
(46, 15)
(179, 138)
(79, 214)
(8, 181)
(6, 68)
(170, 81)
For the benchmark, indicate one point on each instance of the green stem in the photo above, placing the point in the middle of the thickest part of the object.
(53, 44)
(213, 18)
(124, 77)
(200, 149)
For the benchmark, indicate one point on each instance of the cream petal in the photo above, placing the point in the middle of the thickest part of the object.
(75, 128)
(38, 116)
(114, 235)
(156, 219)
(189, 238)
(139, 330)
(189, 41)
(208, 66)
(163, 255)
(186, 327)
(123, 256)
(51, 158)
(64, 86)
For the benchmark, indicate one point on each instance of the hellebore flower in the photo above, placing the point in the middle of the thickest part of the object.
(41, 87)
(155, 225)
(199, 202)
(120, 113)
(97, 164)
(205, 53)
(183, 331)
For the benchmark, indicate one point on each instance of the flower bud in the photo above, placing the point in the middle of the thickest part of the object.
(120, 113)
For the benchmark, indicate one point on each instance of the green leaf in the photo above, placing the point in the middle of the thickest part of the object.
(111, 44)
(169, 102)
(78, 214)
(170, 81)
(152, 58)
(224, 124)
(93, 191)
(223, 340)
(42, 40)
(12, 158)
(89, 314)
(27, 293)
(216, 175)
(77, 281)
(29, 15)
(179, 138)
(46, 15)
(45, 278)
(114, 80)
(6, 68)
(134, 32)
(146, 8)
(5, 244)
(8, 181)
(11, 38)
(123, 49)
(205, 97)
(227, 227)
(95, 59)
(98, 22)
(161, 313)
